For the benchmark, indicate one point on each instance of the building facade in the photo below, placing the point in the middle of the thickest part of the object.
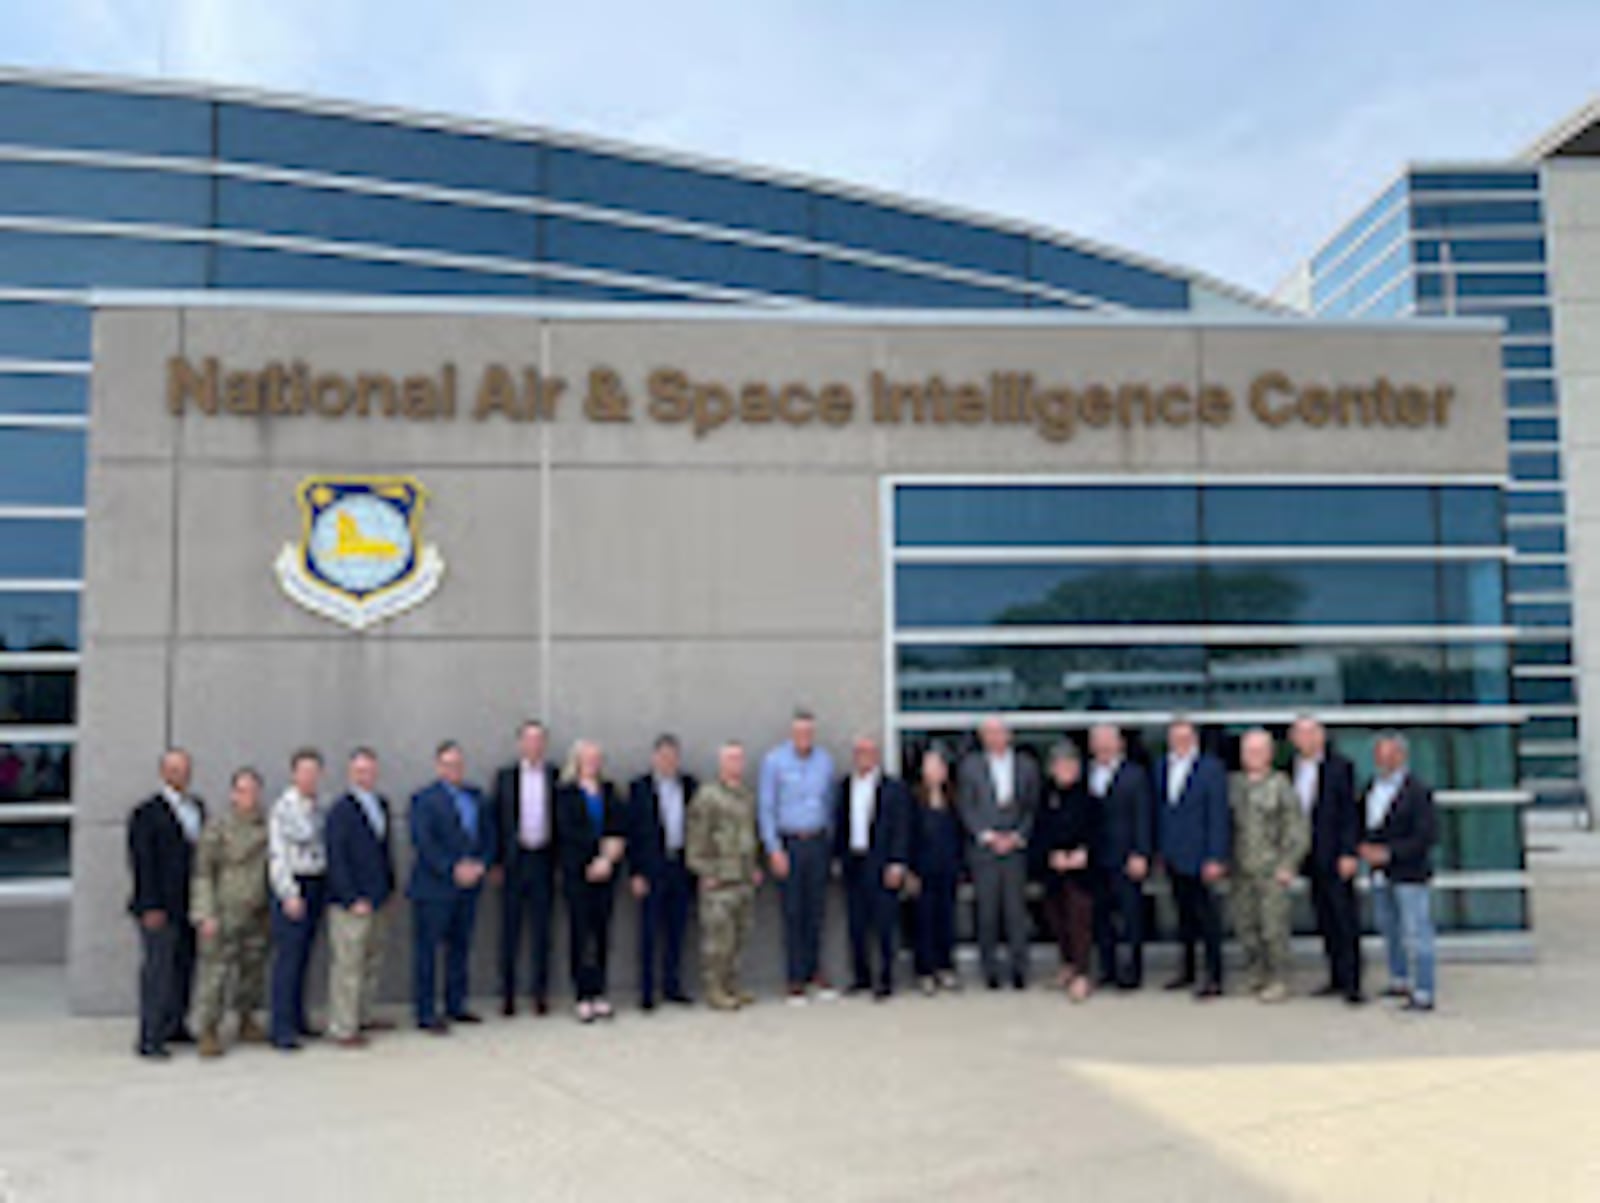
(1510, 240)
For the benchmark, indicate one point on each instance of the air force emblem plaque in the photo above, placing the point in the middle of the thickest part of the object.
(360, 558)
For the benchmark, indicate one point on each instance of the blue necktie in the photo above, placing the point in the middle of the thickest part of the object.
(467, 812)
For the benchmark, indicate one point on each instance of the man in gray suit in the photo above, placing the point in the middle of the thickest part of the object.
(997, 795)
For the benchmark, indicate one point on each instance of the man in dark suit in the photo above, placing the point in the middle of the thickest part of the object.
(162, 832)
(453, 833)
(1326, 785)
(360, 886)
(872, 845)
(658, 820)
(1398, 848)
(525, 803)
(1121, 856)
(998, 793)
(1194, 835)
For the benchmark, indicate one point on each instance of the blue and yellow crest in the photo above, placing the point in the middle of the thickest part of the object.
(360, 558)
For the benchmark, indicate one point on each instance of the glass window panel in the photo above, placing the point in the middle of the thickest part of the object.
(1476, 674)
(81, 261)
(875, 227)
(1538, 578)
(931, 595)
(1324, 675)
(1557, 651)
(1428, 250)
(1474, 181)
(32, 772)
(1534, 502)
(88, 119)
(1534, 430)
(41, 467)
(1451, 758)
(1493, 250)
(1529, 358)
(648, 253)
(1366, 273)
(1499, 284)
(1346, 592)
(1382, 209)
(41, 548)
(1269, 515)
(43, 393)
(984, 679)
(328, 213)
(1471, 515)
(1548, 728)
(1045, 515)
(1472, 592)
(30, 330)
(1541, 614)
(37, 622)
(178, 198)
(1488, 910)
(613, 182)
(583, 290)
(1446, 215)
(1395, 302)
(242, 267)
(1096, 276)
(1475, 838)
(37, 698)
(1535, 391)
(35, 850)
(1430, 287)
(379, 149)
(858, 284)
(1539, 540)
(1550, 768)
(1545, 691)
(1536, 465)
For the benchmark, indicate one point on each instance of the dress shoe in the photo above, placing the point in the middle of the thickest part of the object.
(1019, 981)
(466, 1017)
(378, 1025)
(1127, 984)
(154, 1052)
(508, 1007)
(1181, 982)
(311, 1032)
(1209, 990)
(287, 1046)
(1417, 1004)
(182, 1036)
(679, 998)
(993, 982)
(823, 989)
(356, 1041)
(437, 1027)
(883, 992)
(1397, 991)
(647, 1004)
(541, 1005)
(1355, 999)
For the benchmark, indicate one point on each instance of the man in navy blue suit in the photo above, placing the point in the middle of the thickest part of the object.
(1194, 837)
(872, 843)
(658, 819)
(453, 833)
(360, 887)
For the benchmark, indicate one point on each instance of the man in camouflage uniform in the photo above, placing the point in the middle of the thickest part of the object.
(228, 906)
(1271, 838)
(722, 851)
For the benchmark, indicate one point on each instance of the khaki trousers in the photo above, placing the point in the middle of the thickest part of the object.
(356, 942)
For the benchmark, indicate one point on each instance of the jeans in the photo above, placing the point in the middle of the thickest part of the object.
(1404, 912)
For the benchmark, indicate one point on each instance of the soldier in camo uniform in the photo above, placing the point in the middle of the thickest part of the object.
(722, 851)
(1271, 837)
(228, 906)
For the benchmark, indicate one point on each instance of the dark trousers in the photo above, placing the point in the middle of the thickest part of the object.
(589, 915)
(528, 897)
(1335, 903)
(435, 922)
(873, 911)
(663, 917)
(1001, 884)
(1119, 920)
(1069, 909)
(936, 924)
(166, 980)
(805, 893)
(1200, 918)
(292, 943)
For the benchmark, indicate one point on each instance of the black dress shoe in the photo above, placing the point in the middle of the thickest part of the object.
(1181, 982)
(182, 1036)
(647, 1003)
(1128, 983)
(1355, 999)
(154, 1052)
(437, 1027)
(541, 1005)
(994, 982)
(466, 1017)
(883, 992)
(287, 1046)
(1106, 981)
(1019, 981)
(508, 1007)
(1209, 990)
(679, 998)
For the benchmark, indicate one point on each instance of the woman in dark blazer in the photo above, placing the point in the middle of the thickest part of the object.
(937, 840)
(1063, 834)
(590, 826)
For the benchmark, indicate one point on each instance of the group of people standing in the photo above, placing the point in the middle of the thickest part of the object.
(215, 899)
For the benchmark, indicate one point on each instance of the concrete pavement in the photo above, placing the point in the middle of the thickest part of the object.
(985, 1096)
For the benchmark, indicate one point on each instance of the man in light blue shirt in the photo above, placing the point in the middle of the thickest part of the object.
(795, 817)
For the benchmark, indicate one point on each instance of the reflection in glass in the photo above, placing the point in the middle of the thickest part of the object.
(32, 772)
(38, 622)
(30, 850)
(37, 698)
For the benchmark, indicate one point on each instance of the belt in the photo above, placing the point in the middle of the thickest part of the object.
(809, 834)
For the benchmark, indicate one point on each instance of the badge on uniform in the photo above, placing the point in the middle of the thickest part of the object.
(360, 558)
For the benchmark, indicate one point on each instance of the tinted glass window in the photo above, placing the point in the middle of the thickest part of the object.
(665, 191)
(1539, 540)
(1376, 262)
(582, 290)
(1452, 214)
(1499, 284)
(350, 146)
(858, 284)
(646, 253)
(984, 679)
(1534, 430)
(105, 193)
(1379, 209)
(1538, 578)
(1260, 515)
(1549, 728)
(38, 622)
(1558, 652)
(76, 261)
(1476, 673)
(873, 227)
(1545, 691)
(41, 467)
(240, 267)
(1531, 358)
(1095, 276)
(1453, 758)
(1541, 614)
(385, 220)
(1535, 501)
(1475, 181)
(1044, 594)
(35, 331)
(1540, 391)
(1488, 910)
(1472, 593)
(41, 549)
(1536, 465)
(43, 393)
(90, 120)
(35, 773)
(1483, 250)
(31, 850)
(1471, 515)
(1480, 837)
(37, 698)
(1043, 515)
(1323, 675)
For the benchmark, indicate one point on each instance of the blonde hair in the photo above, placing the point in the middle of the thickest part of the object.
(570, 770)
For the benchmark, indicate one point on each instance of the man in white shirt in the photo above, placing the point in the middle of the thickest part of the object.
(872, 844)
(658, 822)
(524, 806)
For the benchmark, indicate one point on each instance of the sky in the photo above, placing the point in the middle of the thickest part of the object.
(1232, 137)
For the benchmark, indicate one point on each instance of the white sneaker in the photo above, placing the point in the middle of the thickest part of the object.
(797, 998)
(826, 993)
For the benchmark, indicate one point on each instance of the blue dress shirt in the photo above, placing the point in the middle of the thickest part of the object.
(795, 794)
